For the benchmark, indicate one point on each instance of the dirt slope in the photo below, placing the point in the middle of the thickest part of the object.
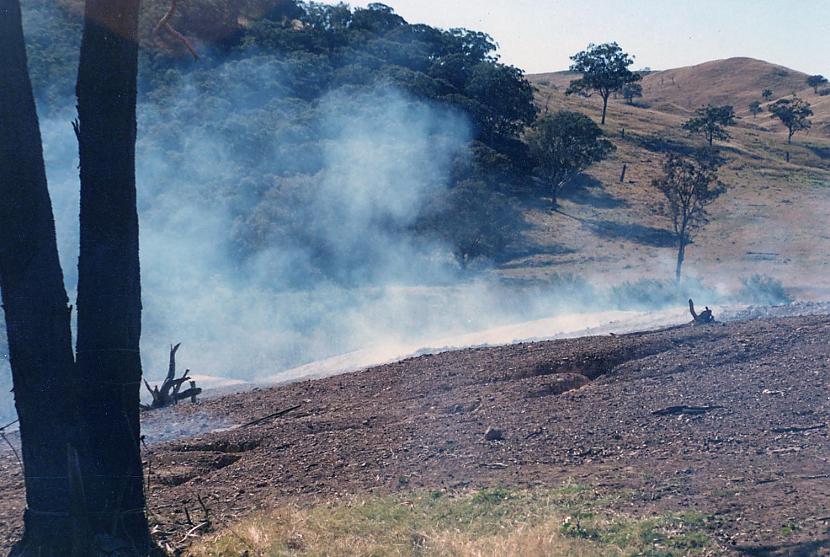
(754, 458)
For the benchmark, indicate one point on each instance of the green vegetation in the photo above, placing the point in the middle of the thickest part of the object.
(763, 290)
(755, 108)
(604, 69)
(252, 125)
(631, 91)
(815, 81)
(794, 113)
(711, 121)
(689, 185)
(563, 145)
(568, 521)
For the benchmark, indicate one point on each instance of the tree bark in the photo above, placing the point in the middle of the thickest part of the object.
(604, 108)
(35, 304)
(681, 256)
(109, 291)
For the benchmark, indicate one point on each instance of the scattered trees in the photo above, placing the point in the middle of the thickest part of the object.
(689, 185)
(711, 121)
(794, 113)
(755, 108)
(815, 81)
(766, 94)
(563, 145)
(630, 91)
(604, 69)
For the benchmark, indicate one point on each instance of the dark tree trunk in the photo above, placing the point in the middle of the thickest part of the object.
(681, 256)
(109, 296)
(35, 304)
(604, 108)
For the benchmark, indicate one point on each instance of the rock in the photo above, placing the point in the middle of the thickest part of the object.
(493, 434)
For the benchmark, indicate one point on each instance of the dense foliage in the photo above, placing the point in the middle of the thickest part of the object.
(711, 122)
(794, 113)
(248, 125)
(563, 145)
(604, 69)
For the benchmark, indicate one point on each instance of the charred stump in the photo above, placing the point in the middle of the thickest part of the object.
(170, 390)
(702, 318)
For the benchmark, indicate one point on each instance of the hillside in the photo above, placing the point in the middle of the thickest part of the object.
(772, 219)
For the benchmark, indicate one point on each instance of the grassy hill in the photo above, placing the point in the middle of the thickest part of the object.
(771, 221)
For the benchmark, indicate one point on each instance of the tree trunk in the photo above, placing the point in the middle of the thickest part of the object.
(35, 304)
(109, 292)
(604, 108)
(681, 256)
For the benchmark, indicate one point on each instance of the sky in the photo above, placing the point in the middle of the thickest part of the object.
(540, 35)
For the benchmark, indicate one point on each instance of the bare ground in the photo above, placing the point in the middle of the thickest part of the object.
(755, 460)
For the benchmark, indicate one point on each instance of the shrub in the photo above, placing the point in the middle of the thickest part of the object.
(763, 290)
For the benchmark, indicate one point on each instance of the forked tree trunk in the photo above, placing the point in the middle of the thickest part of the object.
(109, 294)
(35, 304)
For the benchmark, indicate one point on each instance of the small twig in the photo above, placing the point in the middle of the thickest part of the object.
(9, 424)
(204, 508)
(9, 443)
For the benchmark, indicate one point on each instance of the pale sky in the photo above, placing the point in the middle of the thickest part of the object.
(540, 35)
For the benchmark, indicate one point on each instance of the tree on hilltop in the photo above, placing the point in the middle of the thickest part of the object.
(711, 121)
(604, 69)
(563, 145)
(794, 113)
(815, 81)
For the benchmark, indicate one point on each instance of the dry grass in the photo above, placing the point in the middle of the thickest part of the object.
(494, 522)
(771, 221)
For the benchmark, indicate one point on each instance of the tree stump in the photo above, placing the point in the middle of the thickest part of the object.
(702, 318)
(170, 391)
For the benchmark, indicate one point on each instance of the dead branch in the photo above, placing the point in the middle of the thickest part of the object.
(271, 416)
(683, 409)
(797, 429)
(165, 23)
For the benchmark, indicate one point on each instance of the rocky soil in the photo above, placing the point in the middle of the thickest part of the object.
(729, 419)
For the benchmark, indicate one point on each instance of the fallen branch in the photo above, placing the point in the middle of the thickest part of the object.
(683, 409)
(273, 416)
(796, 428)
